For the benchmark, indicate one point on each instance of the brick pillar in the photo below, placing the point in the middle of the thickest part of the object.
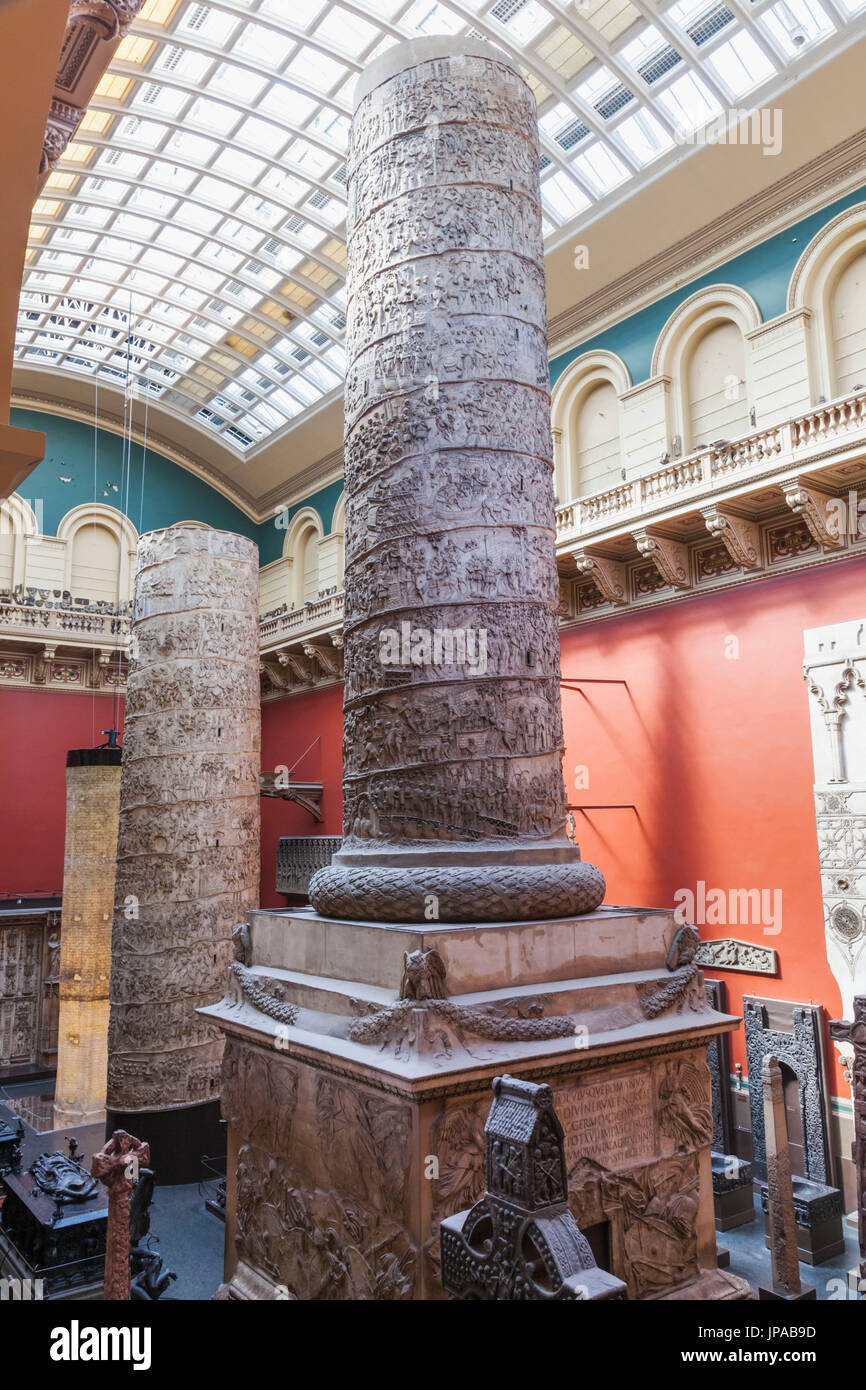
(92, 806)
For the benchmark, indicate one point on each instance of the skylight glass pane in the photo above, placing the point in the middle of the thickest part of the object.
(600, 168)
(643, 136)
(347, 32)
(265, 45)
(795, 24)
(562, 195)
(689, 102)
(427, 18)
(740, 64)
(313, 69)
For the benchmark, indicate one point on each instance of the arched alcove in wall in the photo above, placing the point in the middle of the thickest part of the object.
(829, 283)
(17, 520)
(585, 417)
(702, 351)
(301, 548)
(99, 557)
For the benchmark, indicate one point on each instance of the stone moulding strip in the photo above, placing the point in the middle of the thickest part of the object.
(417, 1091)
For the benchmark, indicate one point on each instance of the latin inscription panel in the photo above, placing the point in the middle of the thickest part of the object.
(609, 1121)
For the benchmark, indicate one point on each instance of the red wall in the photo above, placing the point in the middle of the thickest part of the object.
(288, 729)
(715, 754)
(37, 729)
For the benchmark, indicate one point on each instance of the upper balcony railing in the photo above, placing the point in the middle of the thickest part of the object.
(60, 624)
(318, 616)
(796, 443)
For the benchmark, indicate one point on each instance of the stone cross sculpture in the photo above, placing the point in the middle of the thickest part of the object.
(454, 803)
(117, 1165)
(855, 1035)
(781, 1220)
(521, 1241)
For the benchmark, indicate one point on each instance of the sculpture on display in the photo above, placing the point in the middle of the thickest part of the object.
(360, 1055)
(854, 1034)
(118, 1166)
(781, 1221)
(62, 1178)
(454, 803)
(188, 844)
(520, 1242)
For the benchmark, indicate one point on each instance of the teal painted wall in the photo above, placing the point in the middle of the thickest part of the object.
(765, 271)
(271, 536)
(168, 494)
(154, 492)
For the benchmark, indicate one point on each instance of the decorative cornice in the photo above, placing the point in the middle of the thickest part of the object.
(317, 476)
(829, 176)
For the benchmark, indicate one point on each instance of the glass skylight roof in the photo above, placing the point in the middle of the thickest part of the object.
(190, 245)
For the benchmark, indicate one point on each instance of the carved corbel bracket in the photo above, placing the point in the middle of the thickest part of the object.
(814, 507)
(608, 576)
(330, 659)
(741, 538)
(277, 677)
(670, 558)
(41, 663)
(99, 664)
(300, 666)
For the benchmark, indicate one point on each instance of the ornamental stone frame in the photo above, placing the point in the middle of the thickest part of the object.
(454, 803)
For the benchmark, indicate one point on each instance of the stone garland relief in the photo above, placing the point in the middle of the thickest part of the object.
(450, 512)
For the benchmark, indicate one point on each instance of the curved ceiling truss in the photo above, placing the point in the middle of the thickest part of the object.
(189, 246)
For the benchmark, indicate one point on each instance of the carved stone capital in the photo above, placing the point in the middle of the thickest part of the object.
(814, 507)
(63, 121)
(109, 18)
(741, 538)
(670, 558)
(608, 576)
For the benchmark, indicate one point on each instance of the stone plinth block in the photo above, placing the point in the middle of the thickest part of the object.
(357, 1080)
(188, 849)
(454, 804)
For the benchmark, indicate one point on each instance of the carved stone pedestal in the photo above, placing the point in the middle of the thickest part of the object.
(356, 1082)
(818, 1211)
(733, 1196)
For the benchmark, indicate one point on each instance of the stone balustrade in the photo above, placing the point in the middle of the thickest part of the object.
(795, 444)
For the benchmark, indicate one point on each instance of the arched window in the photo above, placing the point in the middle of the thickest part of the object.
(17, 520)
(716, 406)
(847, 324)
(596, 438)
(585, 416)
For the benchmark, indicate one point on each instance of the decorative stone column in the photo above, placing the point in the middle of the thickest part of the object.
(188, 846)
(454, 804)
(92, 806)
